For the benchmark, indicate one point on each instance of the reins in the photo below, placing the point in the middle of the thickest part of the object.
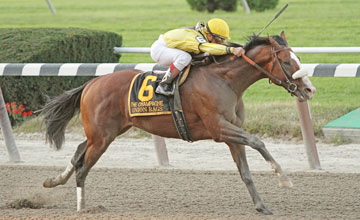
(291, 86)
(232, 58)
(251, 62)
(288, 84)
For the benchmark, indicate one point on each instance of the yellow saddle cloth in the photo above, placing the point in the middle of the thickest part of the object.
(143, 101)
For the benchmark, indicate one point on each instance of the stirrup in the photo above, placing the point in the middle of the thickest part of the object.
(165, 89)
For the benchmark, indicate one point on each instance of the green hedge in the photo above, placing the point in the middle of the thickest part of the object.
(212, 5)
(51, 45)
(31, 91)
(262, 5)
(62, 45)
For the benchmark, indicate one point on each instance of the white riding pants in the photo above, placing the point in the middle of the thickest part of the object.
(164, 55)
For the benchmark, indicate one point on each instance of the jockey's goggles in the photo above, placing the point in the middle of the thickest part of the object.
(218, 38)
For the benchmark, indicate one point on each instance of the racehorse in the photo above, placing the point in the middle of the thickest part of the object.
(212, 103)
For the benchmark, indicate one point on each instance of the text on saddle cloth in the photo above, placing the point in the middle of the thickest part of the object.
(143, 101)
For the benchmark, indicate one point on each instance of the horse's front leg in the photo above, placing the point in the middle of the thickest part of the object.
(230, 133)
(239, 155)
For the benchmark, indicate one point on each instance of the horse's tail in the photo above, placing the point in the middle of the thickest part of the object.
(58, 112)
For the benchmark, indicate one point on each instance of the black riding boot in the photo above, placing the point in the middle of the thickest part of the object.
(165, 87)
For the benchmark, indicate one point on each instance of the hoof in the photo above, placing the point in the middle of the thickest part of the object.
(264, 211)
(48, 183)
(285, 182)
(166, 165)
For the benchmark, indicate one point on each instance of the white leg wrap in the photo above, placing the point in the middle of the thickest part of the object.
(68, 172)
(80, 198)
(61, 178)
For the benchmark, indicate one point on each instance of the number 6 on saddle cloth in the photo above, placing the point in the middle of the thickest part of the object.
(143, 101)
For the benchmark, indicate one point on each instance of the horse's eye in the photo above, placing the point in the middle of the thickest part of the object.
(287, 63)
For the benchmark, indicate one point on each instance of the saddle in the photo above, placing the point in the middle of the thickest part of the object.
(201, 59)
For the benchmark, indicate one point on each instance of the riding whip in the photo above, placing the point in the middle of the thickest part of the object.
(276, 16)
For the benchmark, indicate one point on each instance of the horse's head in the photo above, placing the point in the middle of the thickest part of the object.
(284, 67)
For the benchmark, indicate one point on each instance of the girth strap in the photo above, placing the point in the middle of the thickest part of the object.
(178, 114)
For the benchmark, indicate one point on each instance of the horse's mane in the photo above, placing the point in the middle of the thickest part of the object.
(256, 41)
(253, 42)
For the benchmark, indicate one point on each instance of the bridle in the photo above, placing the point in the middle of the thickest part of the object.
(289, 84)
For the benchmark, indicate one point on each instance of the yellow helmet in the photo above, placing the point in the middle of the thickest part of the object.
(218, 28)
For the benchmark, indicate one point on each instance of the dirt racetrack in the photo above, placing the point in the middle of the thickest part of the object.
(179, 192)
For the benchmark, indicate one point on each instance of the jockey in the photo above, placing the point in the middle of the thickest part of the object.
(173, 48)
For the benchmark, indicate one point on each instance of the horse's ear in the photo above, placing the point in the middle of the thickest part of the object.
(274, 43)
(284, 37)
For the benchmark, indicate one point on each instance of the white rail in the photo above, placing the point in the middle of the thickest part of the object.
(326, 49)
(98, 69)
(119, 50)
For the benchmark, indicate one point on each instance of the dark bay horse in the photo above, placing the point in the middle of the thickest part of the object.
(212, 104)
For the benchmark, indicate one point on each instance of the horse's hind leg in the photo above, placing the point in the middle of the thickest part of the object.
(62, 178)
(84, 161)
(239, 155)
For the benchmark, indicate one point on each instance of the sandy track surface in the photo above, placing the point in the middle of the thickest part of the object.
(202, 182)
(200, 155)
(179, 194)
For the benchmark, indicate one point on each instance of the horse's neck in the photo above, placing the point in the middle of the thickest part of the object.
(238, 74)
(241, 75)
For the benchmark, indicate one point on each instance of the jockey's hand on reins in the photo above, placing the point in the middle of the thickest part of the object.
(238, 51)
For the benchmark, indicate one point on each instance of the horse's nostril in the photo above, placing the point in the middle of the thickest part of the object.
(308, 90)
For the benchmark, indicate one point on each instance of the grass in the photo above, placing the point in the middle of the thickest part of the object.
(306, 23)
(337, 140)
(269, 109)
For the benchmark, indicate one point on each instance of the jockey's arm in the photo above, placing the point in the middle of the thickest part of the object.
(219, 49)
